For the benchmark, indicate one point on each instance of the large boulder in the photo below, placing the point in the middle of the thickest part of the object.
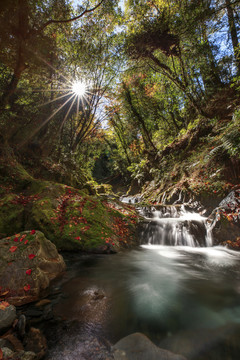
(28, 262)
(224, 221)
(70, 218)
(7, 316)
(138, 347)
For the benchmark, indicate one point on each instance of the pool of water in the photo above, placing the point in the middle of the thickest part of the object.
(185, 299)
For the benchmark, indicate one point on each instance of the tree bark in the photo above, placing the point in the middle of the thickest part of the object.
(145, 133)
(233, 32)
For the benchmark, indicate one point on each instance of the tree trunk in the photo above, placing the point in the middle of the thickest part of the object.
(145, 133)
(233, 32)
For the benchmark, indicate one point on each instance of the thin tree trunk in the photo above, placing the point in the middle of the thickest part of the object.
(233, 32)
(146, 135)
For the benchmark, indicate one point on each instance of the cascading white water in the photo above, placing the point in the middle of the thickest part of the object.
(174, 225)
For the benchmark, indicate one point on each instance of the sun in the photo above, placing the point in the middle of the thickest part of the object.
(79, 88)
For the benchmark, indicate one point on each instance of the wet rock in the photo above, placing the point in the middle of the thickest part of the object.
(33, 313)
(35, 342)
(48, 312)
(43, 302)
(7, 317)
(138, 347)
(28, 355)
(225, 221)
(21, 326)
(7, 353)
(28, 262)
(5, 343)
(15, 343)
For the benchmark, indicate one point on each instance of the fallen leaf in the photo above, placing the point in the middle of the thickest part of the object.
(27, 287)
(13, 248)
(31, 256)
(4, 305)
(29, 271)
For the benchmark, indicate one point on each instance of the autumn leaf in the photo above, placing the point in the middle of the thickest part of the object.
(27, 287)
(29, 271)
(33, 232)
(25, 242)
(31, 256)
(13, 248)
(4, 305)
(23, 237)
(4, 293)
(15, 239)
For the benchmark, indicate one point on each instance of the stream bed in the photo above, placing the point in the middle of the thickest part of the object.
(184, 299)
(175, 288)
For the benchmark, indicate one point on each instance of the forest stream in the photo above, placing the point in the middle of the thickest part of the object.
(178, 290)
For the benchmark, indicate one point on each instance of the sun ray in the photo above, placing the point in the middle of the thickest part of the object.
(78, 100)
(46, 121)
(57, 98)
(65, 117)
(51, 66)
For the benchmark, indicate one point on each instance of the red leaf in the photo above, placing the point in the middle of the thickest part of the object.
(31, 256)
(29, 271)
(27, 287)
(33, 232)
(23, 237)
(13, 248)
(25, 242)
(15, 239)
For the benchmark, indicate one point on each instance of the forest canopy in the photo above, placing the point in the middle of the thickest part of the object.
(106, 85)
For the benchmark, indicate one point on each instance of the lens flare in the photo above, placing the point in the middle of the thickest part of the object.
(79, 88)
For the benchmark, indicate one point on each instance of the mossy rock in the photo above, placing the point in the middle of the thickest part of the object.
(28, 261)
(71, 218)
(76, 221)
(11, 215)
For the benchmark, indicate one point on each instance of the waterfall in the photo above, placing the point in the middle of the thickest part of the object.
(174, 225)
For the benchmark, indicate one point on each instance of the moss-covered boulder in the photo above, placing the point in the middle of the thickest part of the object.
(70, 218)
(28, 262)
(74, 220)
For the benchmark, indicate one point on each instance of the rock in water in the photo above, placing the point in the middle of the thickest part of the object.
(138, 347)
(28, 261)
(225, 221)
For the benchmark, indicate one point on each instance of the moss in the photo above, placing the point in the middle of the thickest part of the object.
(73, 220)
(11, 216)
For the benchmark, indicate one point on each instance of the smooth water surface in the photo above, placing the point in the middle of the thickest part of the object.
(185, 299)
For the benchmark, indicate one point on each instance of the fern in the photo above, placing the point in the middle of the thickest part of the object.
(231, 142)
(216, 152)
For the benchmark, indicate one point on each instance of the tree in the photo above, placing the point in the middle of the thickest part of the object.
(23, 34)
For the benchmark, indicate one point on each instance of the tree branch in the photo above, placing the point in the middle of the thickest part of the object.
(72, 19)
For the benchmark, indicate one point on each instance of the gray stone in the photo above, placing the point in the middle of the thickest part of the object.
(6, 343)
(7, 353)
(28, 355)
(7, 317)
(138, 347)
(21, 325)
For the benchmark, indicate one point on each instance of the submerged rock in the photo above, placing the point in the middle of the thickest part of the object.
(28, 261)
(138, 347)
